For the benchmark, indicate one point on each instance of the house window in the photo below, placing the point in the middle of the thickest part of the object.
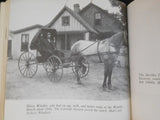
(65, 21)
(98, 18)
(24, 42)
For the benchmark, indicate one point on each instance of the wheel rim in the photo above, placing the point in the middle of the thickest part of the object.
(27, 64)
(54, 68)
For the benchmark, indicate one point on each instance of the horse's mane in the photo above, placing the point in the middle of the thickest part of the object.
(115, 40)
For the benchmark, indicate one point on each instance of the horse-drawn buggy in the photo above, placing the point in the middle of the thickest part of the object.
(52, 59)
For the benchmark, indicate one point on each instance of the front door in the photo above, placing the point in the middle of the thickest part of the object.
(9, 48)
(65, 42)
(62, 43)
(68, 43)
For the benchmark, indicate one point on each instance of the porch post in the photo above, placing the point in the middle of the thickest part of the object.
(65, 41)
(86, 35)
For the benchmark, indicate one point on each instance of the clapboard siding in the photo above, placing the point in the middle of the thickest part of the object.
(16, 42)
(108, 22)
(74, 24)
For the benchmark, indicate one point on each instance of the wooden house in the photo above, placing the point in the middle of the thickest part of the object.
(20, 40)
(89, 23)
(70, 27)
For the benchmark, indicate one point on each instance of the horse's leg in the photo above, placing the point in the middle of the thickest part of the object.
(77, 74)
(109, 77)
(105, 74)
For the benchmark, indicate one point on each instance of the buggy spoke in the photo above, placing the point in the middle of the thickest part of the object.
(54, 68)
(31, 70)
(54, 74)
(21, 69)
(27, 64)
(24, 72)
(27, 72)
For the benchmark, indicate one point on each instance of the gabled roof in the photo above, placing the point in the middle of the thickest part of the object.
(111, 16)
(90, 5)
(76, 16)
(27, 28)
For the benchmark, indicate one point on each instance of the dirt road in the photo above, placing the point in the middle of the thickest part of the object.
(40, 87)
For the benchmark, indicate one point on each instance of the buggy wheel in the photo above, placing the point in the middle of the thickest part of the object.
(82, 67)
(27, 64)
(54, 68)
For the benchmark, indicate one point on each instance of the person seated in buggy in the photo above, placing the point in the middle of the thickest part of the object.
(45, 43)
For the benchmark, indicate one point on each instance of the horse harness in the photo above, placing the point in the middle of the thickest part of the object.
(98, 51)
(109, 53)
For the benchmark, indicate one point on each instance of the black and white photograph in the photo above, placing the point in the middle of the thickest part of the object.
(67, 49)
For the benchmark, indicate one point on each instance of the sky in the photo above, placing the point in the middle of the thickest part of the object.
(24, 13)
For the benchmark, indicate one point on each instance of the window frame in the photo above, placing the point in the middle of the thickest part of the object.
(64, 19)
(24, 42)
(98, 18)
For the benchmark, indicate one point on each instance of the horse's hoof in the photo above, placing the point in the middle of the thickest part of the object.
(79, 83)
(104, 85)
(104, 88)
(110, 87)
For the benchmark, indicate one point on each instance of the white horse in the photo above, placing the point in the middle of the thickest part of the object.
(105, 51)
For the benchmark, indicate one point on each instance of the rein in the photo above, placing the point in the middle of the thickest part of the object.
(98, 51)
(87, 47)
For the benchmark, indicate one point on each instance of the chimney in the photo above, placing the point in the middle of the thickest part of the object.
(76, 8)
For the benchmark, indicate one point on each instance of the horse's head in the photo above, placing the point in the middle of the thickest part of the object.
(114, 43)
(117, 39)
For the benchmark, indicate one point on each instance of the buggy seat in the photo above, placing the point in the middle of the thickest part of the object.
(44, 42)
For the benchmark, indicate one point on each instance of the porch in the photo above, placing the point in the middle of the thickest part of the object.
(65, 40)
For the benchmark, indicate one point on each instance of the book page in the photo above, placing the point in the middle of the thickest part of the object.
(4, 20)
(67, 59)
(144, 41)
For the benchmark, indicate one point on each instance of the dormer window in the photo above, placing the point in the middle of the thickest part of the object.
(98, 18)
(65, 21)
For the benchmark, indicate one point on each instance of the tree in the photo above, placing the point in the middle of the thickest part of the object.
(122, 17)
(123, 11)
